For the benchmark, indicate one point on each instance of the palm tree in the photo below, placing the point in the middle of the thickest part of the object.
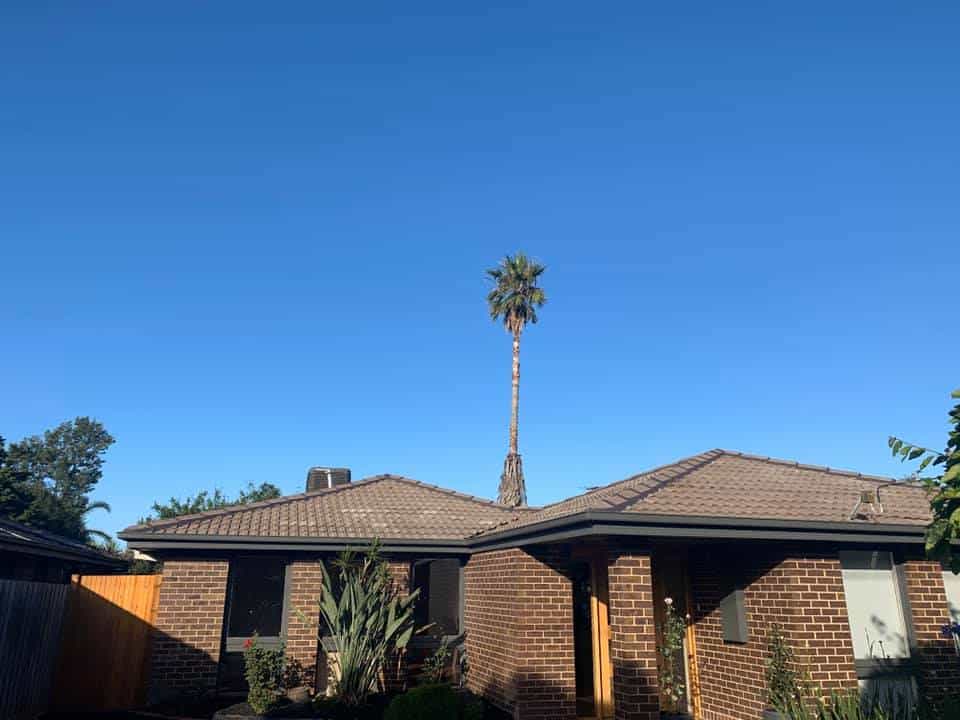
(90, 534)
(515, 298)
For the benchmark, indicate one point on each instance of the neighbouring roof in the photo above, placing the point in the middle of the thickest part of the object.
(727, 484)
(383, 506)
(22, 539)
(714, 485)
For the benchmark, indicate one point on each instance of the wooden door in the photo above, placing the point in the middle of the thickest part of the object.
(594, 675)
(671, 580)
(602, 668)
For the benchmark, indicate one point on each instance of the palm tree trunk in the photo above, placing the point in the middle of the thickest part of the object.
(513, 491)
(515, 397)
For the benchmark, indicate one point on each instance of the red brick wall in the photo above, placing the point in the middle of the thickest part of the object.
(490, 621)
(800, 591)
(306, 582)
(519, 625)
(186, 644)
(633, 648)
(939, 664)
(397, 671)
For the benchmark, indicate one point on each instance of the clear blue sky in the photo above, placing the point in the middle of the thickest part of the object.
(250, 238)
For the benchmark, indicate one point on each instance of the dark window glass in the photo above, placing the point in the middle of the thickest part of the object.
(439, 603)
(256, 597)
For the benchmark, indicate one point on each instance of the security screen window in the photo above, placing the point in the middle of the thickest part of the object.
(873, 606)
(256, 600)
(438, 606)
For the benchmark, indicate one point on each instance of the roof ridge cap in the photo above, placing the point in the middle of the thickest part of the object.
(700, 457)
(447, 491)
(242, 507)
(808, 466)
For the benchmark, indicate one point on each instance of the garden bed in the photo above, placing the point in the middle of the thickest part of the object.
(330, 710)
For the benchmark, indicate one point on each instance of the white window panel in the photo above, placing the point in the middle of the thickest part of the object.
(873, 605)
(952, 584)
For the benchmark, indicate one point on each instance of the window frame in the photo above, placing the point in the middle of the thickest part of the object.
(436, 640)
(235, 643)
(873, 670)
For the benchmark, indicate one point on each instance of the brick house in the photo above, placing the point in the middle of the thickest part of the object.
(558, 607)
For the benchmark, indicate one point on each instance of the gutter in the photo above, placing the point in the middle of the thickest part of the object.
(78, 557)
(172, 542)
(586, 524)
(591, 523)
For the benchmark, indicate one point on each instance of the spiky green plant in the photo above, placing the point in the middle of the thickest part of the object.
(370, 621)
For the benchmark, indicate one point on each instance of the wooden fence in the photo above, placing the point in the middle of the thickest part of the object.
(105, 647)
(30, 624)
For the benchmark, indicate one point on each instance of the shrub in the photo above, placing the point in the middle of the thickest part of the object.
(264, 670)
(427, 702)
(329, 708)
(472, 708)
(368, 620)
(783, 682)
(435, 667)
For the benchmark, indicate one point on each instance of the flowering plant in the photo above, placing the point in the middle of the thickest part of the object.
(952, 630)
(672, 635)
(264, 670)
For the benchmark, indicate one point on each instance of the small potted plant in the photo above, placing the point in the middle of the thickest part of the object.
(783, 682)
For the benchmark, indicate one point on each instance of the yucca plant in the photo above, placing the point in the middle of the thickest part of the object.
(368, 619)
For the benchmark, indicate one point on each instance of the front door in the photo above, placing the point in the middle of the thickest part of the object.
(591, 635)
(671, 591)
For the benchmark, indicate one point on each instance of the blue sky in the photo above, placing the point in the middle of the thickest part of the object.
(251, 238)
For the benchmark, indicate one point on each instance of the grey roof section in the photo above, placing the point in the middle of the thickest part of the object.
(19, 538)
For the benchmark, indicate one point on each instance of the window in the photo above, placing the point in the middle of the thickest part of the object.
(874, 608)
(256, 602)
(951, 583)
(438, 606)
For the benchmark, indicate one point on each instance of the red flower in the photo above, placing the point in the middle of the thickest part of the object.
(248, 643)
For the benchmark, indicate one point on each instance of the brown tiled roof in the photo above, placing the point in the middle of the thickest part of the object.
(714, 484)
(383, 506)
(725, 484)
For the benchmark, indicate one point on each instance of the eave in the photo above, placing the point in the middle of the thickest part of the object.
(586, 524)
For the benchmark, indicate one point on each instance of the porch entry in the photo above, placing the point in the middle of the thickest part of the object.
(671, 582)
(591, 634)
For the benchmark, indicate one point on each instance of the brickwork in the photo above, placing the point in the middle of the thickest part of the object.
(633, 644)
(396, 674)
(519, 625)
(189, 625)
(800, 592)
(490, 621)
(305, 582)
(927, 598)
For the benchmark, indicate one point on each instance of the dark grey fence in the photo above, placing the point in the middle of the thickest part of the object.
(31, 616)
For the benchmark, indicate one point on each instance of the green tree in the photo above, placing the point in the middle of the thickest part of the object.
(15, 495)
(204, 501)
(57, 471)
(944, 529)
(514, 299)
